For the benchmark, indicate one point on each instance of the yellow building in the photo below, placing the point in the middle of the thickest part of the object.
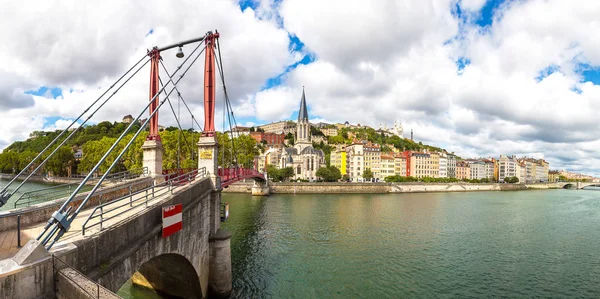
(387, 167)
(338, 159)
(399, 165)
(434, 166)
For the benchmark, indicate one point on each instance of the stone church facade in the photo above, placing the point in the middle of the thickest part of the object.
(302, 157)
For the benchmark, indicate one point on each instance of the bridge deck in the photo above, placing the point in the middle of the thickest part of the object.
(8, 238)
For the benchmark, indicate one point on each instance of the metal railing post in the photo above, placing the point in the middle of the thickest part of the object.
(19, 231)
(101, 216)
(130, 197)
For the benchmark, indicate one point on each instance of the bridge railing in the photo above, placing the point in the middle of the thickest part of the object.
(121, 205)
(227, 174)
(64, 190)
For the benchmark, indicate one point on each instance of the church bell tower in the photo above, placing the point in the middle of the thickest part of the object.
(303, 126)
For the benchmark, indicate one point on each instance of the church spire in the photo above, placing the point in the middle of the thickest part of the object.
(303, 114)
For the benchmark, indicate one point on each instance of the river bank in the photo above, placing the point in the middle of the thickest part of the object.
(380, 188)
(41, 179)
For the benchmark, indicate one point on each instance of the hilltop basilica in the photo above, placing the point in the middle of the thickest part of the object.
(303, 158)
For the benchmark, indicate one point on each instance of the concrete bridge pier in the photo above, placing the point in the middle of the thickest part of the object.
(260, 188)
(220, 275)
(153, 158)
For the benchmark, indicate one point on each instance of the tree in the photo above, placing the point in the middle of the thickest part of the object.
(329, 174)
(273, 173)
(60, 161)
(286, 173)
(290, 138)
(345, 178)
(367, 174)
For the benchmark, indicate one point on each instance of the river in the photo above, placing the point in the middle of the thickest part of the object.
(428, 245)
(29, 186)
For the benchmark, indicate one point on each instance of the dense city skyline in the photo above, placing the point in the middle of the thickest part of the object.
(480, 78)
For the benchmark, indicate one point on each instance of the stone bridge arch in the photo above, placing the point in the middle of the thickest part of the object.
(199, 252)
(169, 274)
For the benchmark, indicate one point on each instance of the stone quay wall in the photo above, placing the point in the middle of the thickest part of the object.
(413, 187)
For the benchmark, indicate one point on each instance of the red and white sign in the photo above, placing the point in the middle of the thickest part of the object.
(172, 221)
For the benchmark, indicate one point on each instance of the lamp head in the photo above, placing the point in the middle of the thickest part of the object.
(179, 53)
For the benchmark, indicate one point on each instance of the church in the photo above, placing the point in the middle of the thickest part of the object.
(302, 157)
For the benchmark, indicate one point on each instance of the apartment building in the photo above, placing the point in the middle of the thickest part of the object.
(420, 164)
(451, 166)
(507, 167)
(284, 126)
(355, 161)
(477, 169)
(387, 167)
(443, 172)
(399, 165)
(434, 164)
(463, 170)
(372, 157)
(338, 159)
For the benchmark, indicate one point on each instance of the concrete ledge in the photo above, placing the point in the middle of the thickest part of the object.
(220, 235)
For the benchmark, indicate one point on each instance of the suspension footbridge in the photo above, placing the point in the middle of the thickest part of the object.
(96, 234)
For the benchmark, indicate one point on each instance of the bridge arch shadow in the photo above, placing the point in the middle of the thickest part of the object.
(570, 186)
(170, 275)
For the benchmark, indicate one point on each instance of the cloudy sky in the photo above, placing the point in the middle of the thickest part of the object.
(476, 77)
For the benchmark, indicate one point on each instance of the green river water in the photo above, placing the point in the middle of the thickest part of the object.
(519, 244)
(29, 186)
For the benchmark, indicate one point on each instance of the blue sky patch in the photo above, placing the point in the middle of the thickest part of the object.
(486, 16)
(45, 91)
(592, 75)
(547, 72)
(462, 62)
(295, 43)
(248, 4)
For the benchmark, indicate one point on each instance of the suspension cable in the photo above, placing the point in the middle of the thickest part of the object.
(177, 120)
(61, 218)
(4, 196)
(227, 101)
(184, 103)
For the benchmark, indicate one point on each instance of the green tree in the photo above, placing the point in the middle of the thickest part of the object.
(286, 173)
(273, 173)
(290, 138)
(367, 174)
(246, 150)
(60, 161)
(25, 158)
(93, 152)
(9, 162)
(329, 174)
